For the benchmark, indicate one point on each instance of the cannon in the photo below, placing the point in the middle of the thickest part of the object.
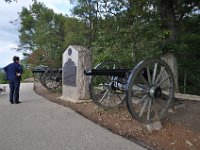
(147, 89)
(50, 78)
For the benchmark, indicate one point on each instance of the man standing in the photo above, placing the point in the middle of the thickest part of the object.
(13, 75)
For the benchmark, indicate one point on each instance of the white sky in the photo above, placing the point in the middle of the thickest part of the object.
(9, 33)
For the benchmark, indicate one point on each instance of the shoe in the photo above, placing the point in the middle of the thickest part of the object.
(11, 103)
(17, 102)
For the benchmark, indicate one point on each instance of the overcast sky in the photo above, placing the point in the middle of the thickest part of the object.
(9, 33)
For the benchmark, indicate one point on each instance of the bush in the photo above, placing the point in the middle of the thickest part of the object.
(27, 74)
(2, 78)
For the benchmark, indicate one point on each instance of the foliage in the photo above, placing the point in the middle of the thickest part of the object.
(75, 33)
(189, 53)
(120, 29)
(44, 35)
(42, 30)
(129, 31)
(27, 74)
(2, 78)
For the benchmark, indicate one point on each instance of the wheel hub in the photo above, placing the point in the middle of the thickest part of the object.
(155, 92)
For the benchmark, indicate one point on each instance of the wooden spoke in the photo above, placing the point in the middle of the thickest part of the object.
(149, 109)
(104, 95)
(143, 107)
(160, 74)
(149, 76)
(163, 80)
(154, 73)
(143, 79)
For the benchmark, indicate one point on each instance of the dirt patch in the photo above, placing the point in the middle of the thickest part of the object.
(181, 129)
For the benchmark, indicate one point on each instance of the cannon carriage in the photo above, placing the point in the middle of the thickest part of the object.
(147, 89)
(50, 78)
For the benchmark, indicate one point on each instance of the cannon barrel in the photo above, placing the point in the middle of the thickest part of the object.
(107, 72)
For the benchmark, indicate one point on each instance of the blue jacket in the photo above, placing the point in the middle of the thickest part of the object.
(11, 71)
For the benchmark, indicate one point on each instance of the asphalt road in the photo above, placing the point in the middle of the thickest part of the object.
(38, 124)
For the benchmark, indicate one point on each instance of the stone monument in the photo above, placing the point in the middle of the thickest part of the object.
(75, 85)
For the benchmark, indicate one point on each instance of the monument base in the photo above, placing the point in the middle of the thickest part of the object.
(68, 99)
(154, 126)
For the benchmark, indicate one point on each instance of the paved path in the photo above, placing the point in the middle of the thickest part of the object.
(38, 124)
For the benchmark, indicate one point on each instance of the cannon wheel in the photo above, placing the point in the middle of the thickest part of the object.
(102, 91)
(150, 91)
(49, 79)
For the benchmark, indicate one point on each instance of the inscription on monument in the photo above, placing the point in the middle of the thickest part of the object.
(69, 51)
(69, 73)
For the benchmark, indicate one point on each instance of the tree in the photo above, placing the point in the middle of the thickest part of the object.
(173, 15)
(167, 15)
(75, 32)
(44, 35)
(41, 28)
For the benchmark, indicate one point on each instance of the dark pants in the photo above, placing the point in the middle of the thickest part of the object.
(14, 91)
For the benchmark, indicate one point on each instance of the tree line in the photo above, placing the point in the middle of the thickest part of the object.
(126, 31)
